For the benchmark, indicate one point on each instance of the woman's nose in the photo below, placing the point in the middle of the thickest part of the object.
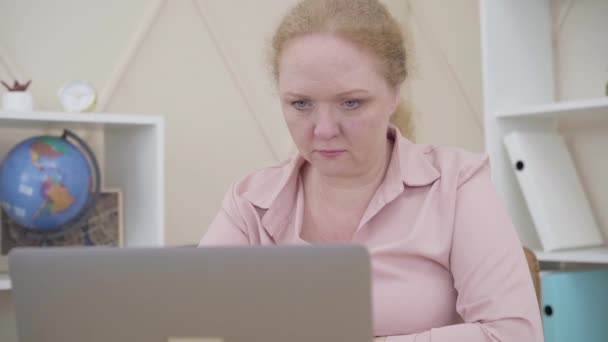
(326, 125)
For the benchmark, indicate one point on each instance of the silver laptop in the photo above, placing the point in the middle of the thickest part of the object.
(176, 294)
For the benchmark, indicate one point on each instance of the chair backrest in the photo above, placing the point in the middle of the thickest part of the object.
(534, 271)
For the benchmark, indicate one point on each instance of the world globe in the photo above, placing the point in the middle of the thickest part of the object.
(47, 183)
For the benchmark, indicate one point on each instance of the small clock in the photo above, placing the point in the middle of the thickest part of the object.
(77, 96)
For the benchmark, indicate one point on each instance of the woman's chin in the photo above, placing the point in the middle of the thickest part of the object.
(334, 170)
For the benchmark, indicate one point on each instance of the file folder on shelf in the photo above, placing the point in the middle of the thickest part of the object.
(575, 306)
(552, 191)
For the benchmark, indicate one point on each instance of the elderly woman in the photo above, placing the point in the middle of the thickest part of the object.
(447, 264)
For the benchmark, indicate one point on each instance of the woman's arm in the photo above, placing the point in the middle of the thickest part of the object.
(496, 296)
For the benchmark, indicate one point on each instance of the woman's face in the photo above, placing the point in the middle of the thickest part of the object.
(336, 104)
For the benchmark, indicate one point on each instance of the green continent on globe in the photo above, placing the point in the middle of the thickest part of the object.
(47, 147)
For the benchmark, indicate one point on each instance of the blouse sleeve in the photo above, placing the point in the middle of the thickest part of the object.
(496, 296)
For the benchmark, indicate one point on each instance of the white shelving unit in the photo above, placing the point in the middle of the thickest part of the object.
(582, 110)
(133, 154)
(598, 255)
(519, 94)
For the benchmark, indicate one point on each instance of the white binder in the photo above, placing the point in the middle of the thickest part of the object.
(552, 190)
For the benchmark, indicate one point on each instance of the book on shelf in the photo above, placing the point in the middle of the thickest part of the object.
(552, 190)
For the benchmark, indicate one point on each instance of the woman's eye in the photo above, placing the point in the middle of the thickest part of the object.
(300, 104)
(351, 104)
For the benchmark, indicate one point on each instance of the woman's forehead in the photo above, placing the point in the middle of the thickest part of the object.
(314, 61)
(324, 50)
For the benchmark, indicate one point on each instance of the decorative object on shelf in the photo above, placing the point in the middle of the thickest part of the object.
(78, 96)
(551, 188)
(17, 97)
(104, 227)
(49, 185)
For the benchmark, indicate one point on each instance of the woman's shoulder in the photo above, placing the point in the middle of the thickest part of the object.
(262, 185)
(263, 175)
(455, 163)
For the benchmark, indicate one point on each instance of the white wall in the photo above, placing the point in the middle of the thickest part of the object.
(581, 46)
(446, 72)
(201, 64)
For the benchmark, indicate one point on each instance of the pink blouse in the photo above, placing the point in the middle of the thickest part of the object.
(447, 264)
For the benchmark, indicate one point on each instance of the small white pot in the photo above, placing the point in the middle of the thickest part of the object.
(21, 101)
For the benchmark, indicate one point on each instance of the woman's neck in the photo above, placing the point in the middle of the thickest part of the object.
(352, 192)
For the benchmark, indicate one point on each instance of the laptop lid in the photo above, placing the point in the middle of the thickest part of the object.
(230, 294)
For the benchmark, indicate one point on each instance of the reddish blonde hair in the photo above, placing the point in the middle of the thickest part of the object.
(366, 23)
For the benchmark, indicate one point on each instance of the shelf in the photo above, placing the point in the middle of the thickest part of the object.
(596, 255)
(5, 282)
(133, 154)
(43, 119)
(590, 109)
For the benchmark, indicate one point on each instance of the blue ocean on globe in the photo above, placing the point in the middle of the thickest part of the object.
(45, 183)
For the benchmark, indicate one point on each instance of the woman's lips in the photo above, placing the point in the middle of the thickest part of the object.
(330, 153)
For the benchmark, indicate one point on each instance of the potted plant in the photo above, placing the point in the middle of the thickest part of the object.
(17, 98)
